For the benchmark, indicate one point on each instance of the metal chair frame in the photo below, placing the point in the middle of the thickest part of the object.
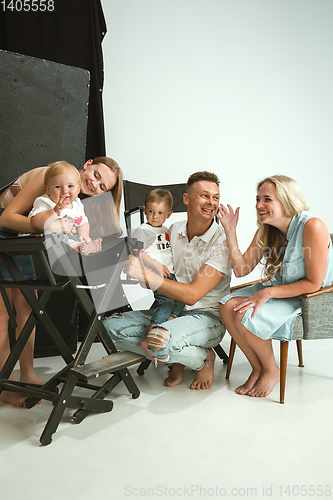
(76, 373)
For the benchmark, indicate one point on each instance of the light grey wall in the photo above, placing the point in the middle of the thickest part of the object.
(243, 88)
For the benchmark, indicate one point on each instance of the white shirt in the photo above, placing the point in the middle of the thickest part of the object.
(44, 203)
(188, 257)
(156, 243)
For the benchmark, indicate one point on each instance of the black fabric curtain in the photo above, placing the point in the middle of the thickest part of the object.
(69, 33)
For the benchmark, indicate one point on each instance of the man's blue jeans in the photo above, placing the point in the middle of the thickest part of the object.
(190, 335)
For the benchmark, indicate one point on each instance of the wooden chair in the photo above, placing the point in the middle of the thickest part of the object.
(315, 322)
(134, 196)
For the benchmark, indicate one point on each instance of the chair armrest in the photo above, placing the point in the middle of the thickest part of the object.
(326, 289)
(321, 291)
(133, 210)
(250, 283)
(128, 214)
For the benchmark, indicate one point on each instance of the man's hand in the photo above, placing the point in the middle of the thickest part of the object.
(135, 268)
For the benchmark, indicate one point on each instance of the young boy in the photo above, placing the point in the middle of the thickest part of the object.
(60, 204)
(157, 254)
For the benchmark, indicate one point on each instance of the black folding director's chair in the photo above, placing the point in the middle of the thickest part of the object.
(64, 268)
(134, 196)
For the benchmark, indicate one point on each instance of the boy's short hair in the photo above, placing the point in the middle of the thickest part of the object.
(58, 168)
(160, 195)
(201, 176)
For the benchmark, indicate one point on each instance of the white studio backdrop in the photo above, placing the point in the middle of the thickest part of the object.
(243, 88)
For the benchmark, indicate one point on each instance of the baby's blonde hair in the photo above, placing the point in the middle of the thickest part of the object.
(58, 168)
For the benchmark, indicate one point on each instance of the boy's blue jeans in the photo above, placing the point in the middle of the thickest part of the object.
(166, 307)
(190, 335)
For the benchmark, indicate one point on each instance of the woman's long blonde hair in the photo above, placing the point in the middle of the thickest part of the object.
(269, 239)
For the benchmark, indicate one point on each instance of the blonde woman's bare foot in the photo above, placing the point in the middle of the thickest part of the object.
(204, 378)
(265, 384)
(91, 247)
(247, 386)
(176, 375)
(144, 346)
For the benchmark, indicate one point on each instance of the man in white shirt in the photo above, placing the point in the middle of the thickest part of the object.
(202, 269)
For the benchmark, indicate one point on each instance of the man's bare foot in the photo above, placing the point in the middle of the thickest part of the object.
(144, 346)
(91, 247)
(204, 378)
(265, 384)
(247, 386)
(176, 375)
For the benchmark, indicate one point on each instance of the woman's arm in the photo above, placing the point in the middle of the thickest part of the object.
(48, 222)
(242, 264)
(315, 244)
(12, 217)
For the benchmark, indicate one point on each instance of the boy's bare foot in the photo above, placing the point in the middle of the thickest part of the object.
(204, 378)
(247, 386)
(91, 247)
(176, 376)
(265, 384)
(144, 346)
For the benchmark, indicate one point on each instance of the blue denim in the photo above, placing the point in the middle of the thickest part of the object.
(166, 307)
(190, 335)
(74, 238)
(24, 262)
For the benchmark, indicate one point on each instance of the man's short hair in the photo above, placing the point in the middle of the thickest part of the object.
(160, 195)
(202, 176)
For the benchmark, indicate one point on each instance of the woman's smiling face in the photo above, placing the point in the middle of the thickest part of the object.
(96, 178)
(269, 208)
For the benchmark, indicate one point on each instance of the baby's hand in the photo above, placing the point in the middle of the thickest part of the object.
(62, 203)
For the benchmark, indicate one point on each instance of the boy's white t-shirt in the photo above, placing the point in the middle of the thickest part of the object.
(156, 243)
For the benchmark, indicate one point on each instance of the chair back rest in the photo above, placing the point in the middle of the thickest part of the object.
(135, 194)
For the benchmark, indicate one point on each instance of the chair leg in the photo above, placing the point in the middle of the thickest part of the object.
(283, 368)
(143, 366)
(300, 353)
(231, 357)
(221, 353)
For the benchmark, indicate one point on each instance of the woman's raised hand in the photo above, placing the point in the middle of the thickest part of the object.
(228, 217)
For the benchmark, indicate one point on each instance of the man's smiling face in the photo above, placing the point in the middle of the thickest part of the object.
(203, 199)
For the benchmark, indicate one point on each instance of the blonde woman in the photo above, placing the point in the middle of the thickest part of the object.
(296, 251)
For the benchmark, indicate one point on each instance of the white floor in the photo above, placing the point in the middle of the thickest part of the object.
(178, 442)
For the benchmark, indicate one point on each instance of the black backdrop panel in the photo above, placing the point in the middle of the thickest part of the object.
(70, 33)
(43, 118)
(43, 113)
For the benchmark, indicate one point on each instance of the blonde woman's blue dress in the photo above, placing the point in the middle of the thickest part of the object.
(275, 319)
